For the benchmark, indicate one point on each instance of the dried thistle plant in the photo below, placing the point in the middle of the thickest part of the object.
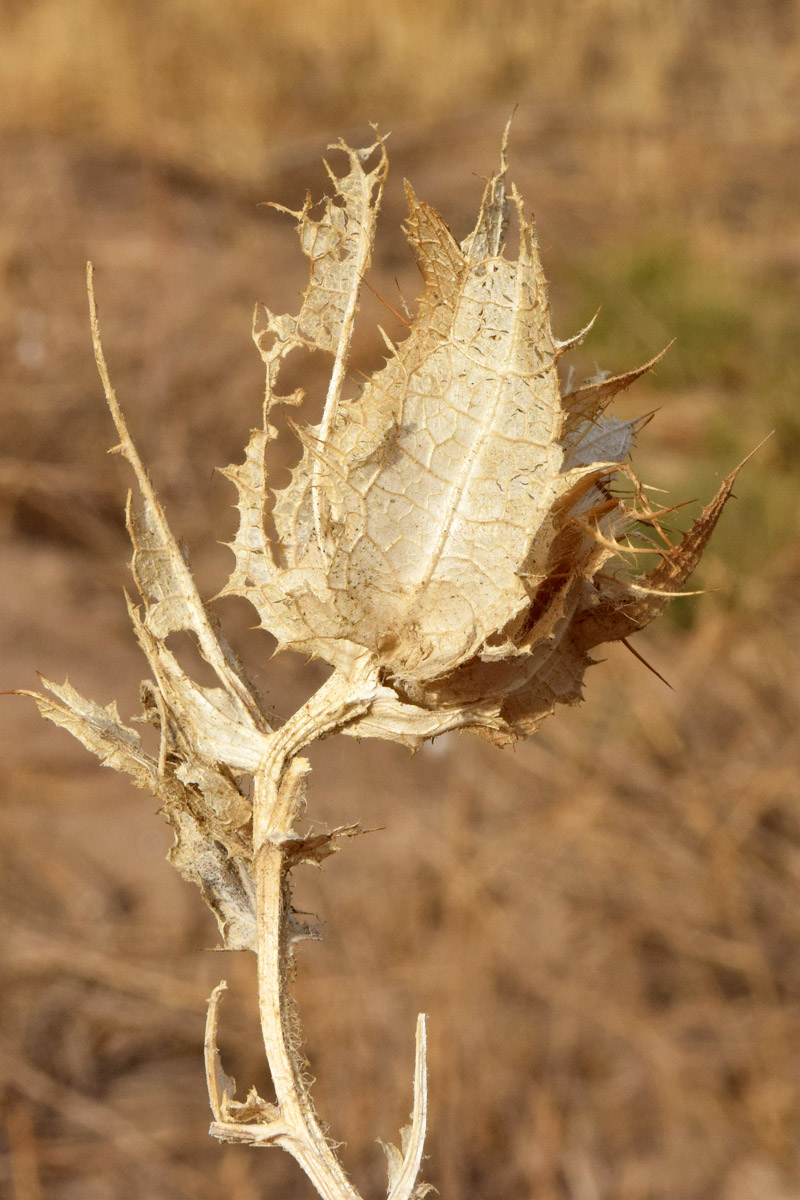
(450, 543)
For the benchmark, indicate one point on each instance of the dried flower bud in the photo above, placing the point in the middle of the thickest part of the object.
(451, 518)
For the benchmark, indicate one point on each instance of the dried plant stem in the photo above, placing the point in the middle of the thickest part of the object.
(278, 802)
(278, 797)
(304, 1138)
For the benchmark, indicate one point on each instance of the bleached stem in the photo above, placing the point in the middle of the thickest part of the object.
(293, 1124)
(304, 1138)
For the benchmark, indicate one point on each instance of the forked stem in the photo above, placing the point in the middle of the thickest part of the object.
(293, 1124)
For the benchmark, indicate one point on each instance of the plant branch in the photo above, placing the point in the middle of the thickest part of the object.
(278, 802)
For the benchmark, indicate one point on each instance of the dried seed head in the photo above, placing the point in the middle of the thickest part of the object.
(452, 517)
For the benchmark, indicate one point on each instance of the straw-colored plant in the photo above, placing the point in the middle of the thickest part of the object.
(452, 543)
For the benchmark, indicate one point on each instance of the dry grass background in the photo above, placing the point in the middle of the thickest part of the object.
(604, 924)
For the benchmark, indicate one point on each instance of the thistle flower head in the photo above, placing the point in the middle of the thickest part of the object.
(452, 517)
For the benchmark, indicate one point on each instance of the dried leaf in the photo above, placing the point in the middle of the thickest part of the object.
(223, 879)
(203, 807)
(99, 729)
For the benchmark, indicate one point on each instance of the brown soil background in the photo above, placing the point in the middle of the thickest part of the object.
(603, 924)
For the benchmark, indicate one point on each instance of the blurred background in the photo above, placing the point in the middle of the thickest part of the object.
(604, 923)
